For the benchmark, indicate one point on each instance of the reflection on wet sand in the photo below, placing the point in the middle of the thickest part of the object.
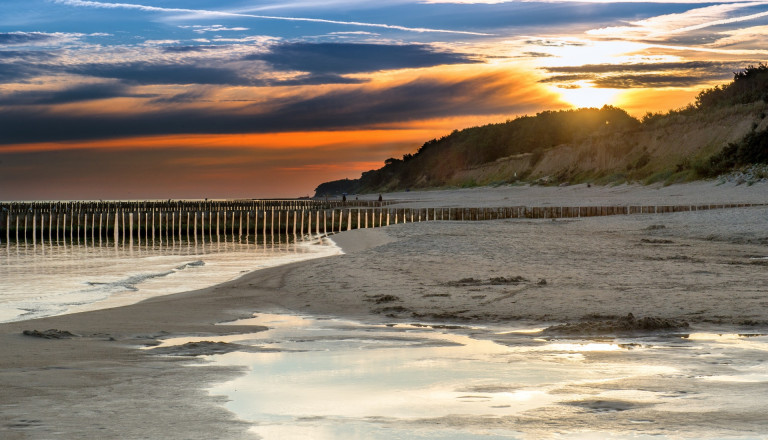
(332, 379)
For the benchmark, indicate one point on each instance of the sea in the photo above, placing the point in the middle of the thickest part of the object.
(49, 277)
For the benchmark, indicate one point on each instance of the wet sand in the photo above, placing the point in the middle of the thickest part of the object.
(707, 268)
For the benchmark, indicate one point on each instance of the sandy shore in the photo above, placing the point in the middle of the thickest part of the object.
(707, 268)
(703, 192)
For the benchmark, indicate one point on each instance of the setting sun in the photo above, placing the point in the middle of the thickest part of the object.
(586, 96)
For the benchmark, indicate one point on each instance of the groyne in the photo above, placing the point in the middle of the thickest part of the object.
(153, 220)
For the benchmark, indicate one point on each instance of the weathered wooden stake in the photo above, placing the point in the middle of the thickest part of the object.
(117, 228)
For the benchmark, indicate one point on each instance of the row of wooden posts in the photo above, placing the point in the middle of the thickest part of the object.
(155, 220)
(184, 205)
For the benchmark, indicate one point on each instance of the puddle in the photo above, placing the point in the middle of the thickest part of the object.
(334, 379)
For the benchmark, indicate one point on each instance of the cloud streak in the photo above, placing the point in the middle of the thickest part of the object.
(14, 38)
(342, 58)
(664, 26)
(155, 74)
(642, 75)
(233, 65)
(210, 13)
(644, 67)
(81, 93)
(349, 107)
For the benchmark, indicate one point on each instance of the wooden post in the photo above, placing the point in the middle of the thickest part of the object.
(194, 226)
(247, 225)
(117, 227)
(34, 228)
(210, 224)
(203, 226)
(122, 218)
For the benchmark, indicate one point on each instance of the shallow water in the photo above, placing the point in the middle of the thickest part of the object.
(40, 279)
(335, 379)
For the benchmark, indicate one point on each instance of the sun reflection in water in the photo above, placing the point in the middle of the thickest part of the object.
(342, 380)
(585, 347)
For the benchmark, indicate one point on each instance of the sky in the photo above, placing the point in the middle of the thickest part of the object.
(158, 99)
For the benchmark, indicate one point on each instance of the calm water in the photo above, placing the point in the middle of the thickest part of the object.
(333, 379)
(49, 278)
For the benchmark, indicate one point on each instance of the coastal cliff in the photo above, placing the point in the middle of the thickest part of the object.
(725, 129)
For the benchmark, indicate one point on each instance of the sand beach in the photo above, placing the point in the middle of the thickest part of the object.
(708, 269)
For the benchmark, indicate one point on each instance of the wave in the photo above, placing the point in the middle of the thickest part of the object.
(43, 306)
(131, 282)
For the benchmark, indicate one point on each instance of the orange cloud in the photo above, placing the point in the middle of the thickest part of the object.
(261, 141)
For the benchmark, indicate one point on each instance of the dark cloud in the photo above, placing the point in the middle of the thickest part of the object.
(137, 73)
(418, 99)
(323, 64)
(345, 58)
(555, 43)
(644, 75)
(184, 49)
(191, 96)
(645, 81)
(537, 54)
(23, 37)
(25, 54)
(16, 71)
(180, 73)
(647, 67)
(568, 78)
(311, 80)
(87, 92)
(358, 108)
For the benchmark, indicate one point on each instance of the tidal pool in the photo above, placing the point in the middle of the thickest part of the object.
(334, 379)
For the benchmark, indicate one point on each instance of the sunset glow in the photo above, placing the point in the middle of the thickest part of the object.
(587, 96)
(266, 99)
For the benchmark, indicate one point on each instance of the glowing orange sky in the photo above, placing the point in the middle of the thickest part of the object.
(168, 101)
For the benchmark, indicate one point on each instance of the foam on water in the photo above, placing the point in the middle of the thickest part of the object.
(38, 280)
